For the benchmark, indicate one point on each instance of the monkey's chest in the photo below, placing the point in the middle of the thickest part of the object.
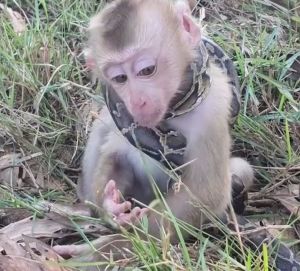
(148, 176)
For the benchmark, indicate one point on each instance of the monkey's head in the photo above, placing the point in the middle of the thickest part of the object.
(142, 49)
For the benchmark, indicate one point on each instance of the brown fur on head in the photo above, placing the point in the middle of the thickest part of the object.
(128, 35)
(118, 21)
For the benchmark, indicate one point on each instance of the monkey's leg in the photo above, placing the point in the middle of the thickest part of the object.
(242, 178)
(242, 169)
(181, 208)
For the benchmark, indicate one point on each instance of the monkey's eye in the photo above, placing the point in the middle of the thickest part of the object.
(120, 79)
(147, 71)
(116, 74)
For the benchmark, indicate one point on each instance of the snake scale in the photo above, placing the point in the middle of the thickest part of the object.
(167, 146)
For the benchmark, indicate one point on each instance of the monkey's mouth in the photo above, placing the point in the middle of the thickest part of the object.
(149, 120)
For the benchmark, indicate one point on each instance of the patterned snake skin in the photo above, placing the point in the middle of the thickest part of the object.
(167, 145)
(163, 143)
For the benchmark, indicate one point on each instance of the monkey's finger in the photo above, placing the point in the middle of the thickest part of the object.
(129, 218)
(137, 214)
(120, 208)
(136, 211)
(144, 212)
(116, 196)
(109, 189)
(123, 219)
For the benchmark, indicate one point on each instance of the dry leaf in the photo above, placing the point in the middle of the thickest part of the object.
(286, 233)
(289, 198)
(12, 256)
(10, 170)
(34, 228)
(16, 19)
(22, 251)
(55, 221)
(63, 209)
(40, 177)
(12, 263)
(44, 254)
(11, 215)
(18, 240)
(35, 256)
(10, 247)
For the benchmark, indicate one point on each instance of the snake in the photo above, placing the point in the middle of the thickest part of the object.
(167, 145)
(163, 143)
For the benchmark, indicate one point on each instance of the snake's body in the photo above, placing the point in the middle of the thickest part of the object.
(167, 145)
(163, 143)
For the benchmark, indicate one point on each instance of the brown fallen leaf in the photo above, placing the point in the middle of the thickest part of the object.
(34, 256)
(98, 253)
(12, 263)
(16, 19)
(289, 197)
(11, 215)
(63, 209)
(10, 170)
(23, 247)
(10, 247)
(59, 221)
(278, 230)
(44, 254)
(31, 227)
(12, 256)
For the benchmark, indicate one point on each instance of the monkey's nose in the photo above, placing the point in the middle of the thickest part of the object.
(139, 103)
(143, 104)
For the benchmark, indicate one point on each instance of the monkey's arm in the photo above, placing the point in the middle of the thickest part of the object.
(204, 192)
(207, 179)
(107, 173)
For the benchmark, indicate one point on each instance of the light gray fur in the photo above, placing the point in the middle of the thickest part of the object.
(105, 139)
(207, 178)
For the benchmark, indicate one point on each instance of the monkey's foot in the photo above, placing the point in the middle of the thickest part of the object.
(121, 211)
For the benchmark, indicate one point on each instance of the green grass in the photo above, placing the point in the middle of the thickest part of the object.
(46, 98)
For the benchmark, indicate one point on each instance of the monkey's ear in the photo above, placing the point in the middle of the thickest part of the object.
(189, 29)
(90, 62)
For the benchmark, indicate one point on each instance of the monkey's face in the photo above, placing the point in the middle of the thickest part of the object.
(142, 50)
(146, 81)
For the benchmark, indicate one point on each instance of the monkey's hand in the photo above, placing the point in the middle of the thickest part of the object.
(121, 211)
